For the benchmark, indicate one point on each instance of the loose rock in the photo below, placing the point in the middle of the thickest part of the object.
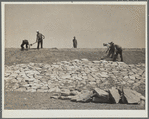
(69, 78)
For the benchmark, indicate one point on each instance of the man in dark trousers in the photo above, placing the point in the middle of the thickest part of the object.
(118, 50)
(74, 42)
(39, 39)
(24, 42)
(111, 49)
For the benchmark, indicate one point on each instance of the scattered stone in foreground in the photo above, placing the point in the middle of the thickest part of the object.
(83, 97)
(100, 100)
(132, 96)
(108, 96)
(114, 94)
(101, 96)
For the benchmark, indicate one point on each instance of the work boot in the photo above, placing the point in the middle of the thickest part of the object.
(22, 49)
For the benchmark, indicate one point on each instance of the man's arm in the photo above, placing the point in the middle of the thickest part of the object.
(108, 47)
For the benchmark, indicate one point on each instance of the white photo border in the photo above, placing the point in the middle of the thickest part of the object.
(72, 113)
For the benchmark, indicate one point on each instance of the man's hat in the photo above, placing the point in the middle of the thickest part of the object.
(37, 31)
(104, 44)
(111, 43)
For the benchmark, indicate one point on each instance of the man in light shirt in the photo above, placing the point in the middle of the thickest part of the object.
(39, 39)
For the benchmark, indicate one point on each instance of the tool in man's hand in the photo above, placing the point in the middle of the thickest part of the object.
(32, 44)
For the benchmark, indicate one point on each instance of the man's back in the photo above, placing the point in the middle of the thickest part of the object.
(25, 42)
(118, 47)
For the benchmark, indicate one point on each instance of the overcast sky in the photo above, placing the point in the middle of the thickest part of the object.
(92, 25)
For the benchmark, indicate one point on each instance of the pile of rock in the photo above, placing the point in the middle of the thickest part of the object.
(97, 95)
(73, 77)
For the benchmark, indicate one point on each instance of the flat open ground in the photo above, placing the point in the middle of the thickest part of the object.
(26, 100)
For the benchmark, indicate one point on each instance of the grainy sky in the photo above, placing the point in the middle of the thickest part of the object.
(92, 25)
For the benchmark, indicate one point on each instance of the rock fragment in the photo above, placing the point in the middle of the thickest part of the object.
(102, 96)
(131, 96)
(65, 92)
(114, 95)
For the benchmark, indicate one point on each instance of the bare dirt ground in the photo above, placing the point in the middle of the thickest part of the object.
(28, 100)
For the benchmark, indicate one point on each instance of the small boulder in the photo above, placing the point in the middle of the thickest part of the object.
(101, 95)
(65, 97)
(55, 89)
(114, 95)
(84, 59)
(131, 96)
(29, 79)
(65, 92)
(104, 75)
(56, 95)
(66, 76)
(75, 92)
(96, 62)
(85, 97)
(100, 100)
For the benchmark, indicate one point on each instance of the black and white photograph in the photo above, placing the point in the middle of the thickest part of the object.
(74, 59)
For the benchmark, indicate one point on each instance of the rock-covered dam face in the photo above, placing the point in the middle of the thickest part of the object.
(74, 77)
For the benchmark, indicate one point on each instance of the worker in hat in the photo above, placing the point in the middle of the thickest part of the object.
(39, 39)
(110, 49)
(74, 42)
(24, 42)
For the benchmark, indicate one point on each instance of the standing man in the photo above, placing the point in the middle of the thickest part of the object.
(24, 42)
(39, 39)
(74, 42)
(118, 50)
